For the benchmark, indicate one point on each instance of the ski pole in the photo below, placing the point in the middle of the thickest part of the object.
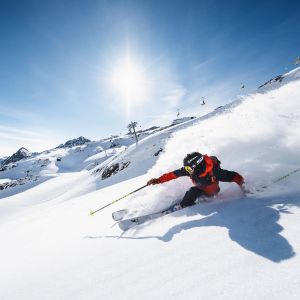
(282, 177)
(287, 175)
(93, 212)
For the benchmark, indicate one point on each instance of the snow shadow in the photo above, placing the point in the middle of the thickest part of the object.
(252, 223)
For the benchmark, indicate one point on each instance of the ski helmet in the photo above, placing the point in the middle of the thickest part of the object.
(194, 161)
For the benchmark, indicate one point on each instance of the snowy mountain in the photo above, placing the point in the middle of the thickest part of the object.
(75, 142)
(280, 80)
(233, 247)
(101, 158)
(20, 154)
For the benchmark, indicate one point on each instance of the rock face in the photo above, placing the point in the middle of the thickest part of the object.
(278, 78)
(20, 181)
(20, 154)
(114, 169)
(75, 142)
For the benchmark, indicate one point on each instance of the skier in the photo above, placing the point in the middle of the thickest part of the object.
(205, 172)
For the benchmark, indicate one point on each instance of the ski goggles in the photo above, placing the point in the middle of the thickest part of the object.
(189, 169)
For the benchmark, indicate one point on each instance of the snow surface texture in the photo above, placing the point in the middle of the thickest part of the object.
(234, 247)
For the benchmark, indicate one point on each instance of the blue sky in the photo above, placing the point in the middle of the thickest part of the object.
(59, 61)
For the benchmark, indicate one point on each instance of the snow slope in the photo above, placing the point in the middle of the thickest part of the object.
(230, 248)
(81, 154)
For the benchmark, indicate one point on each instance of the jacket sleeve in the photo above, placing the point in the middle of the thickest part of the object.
(173, 175)
(215, 160)
(228, 176)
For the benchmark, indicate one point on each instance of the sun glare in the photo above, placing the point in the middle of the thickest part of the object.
(127, 78)
(128, 81)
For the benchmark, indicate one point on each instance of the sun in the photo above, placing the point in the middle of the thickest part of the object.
(128, 81)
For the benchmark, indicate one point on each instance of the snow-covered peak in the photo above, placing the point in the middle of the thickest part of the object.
(20, 154)
(74, 142)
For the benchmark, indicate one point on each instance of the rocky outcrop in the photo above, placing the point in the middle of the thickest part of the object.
(114, 169)
(18, 182)
(20, 154)
(75, 142)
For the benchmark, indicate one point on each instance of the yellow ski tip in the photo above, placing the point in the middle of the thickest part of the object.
(91, 213)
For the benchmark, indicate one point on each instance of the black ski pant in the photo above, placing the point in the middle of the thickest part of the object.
(190, 196)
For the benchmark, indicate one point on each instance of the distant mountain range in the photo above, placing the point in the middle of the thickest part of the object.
(100, 158)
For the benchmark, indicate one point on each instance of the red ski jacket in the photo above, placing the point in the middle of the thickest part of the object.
(208, 180)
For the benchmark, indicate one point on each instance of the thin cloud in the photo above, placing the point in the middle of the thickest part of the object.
(14, 131)
(174, 96)
(16, 114)
(12, 138)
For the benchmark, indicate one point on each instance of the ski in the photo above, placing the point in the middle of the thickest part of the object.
(119, 215)
(123, 214)
(128, 223)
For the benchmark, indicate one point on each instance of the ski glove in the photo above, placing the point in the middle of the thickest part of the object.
(153, 181)
(241, 182)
